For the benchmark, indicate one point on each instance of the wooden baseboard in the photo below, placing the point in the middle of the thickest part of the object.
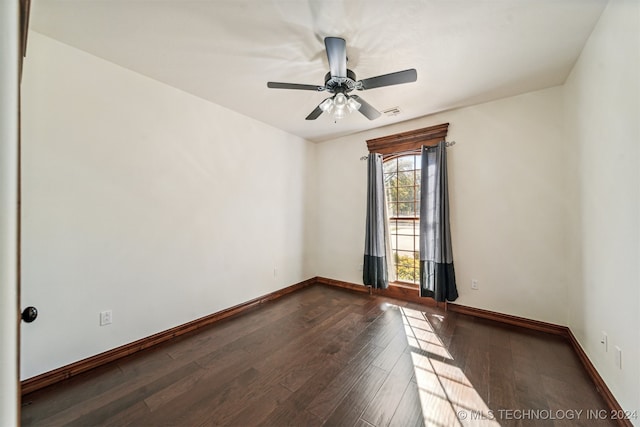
(403, 293)
(508, 319)
(68, 371)
(344, 285)
(410, 294)
(601, 386)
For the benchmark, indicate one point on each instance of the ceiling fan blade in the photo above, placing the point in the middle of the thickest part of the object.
(399, 77)
(337, 56)
(366, 109)
(277, 85)
(314, 114)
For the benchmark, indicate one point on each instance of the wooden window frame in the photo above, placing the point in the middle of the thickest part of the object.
(401, 143)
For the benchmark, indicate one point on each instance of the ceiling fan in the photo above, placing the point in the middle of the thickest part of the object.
(340, 81)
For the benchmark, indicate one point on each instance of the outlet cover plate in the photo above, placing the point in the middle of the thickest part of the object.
(106, 317)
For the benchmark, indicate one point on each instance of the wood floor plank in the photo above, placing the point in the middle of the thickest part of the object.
(383, 405)
(204, 400)
(362, 423)
(501, 379)
(476, 369)
(331, 396)
(112, 408)
(130, 416)
(209, 339)
(177, 388)
(255, 410)
(79, 390)
(409, 411)
(94, 394)
(392, 352)
(296, 406)
(313, 343)
(358, 354)
(355, 402)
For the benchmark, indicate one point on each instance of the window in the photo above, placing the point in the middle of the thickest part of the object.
(402, 171)
(402, 186)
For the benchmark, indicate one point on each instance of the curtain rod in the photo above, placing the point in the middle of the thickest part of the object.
(446, 144)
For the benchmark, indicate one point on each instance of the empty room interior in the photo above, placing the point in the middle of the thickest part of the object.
(317, 212)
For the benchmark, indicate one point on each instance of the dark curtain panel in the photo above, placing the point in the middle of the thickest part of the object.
(437, 275)
(375, 261)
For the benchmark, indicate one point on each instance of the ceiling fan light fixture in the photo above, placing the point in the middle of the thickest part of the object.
(327, 105)
(340, 100)
(340, 104)
(339, 113)
(353, 105)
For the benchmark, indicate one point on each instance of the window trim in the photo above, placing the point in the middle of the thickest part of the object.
(399, 143)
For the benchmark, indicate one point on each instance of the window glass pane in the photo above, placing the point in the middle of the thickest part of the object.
(390, 180)
(405, 227)
(392, 194)
(393, 209)
(390, 166)
(406, 209)
(406, 257)
(405, 265)
(406, 194)
(405, 243)
(406, 163)
(418, 162)
(406, 178)
(389, 177)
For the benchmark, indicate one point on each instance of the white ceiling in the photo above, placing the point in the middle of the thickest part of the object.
(465, 51)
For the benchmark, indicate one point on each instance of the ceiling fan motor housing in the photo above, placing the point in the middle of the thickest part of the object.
(340, 84)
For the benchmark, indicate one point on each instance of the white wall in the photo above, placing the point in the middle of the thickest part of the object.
(507, 194)
(602, 97)
(9, 396)
(147, 201)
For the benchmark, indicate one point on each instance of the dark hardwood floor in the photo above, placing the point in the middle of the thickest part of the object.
(326, 356)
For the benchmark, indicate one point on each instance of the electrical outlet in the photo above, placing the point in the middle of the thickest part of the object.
(360, 267)
(474, 284)
(618, 357)
(106, 317)
(604, 340)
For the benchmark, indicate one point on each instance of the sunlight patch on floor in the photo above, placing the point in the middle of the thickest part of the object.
(447, 397)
